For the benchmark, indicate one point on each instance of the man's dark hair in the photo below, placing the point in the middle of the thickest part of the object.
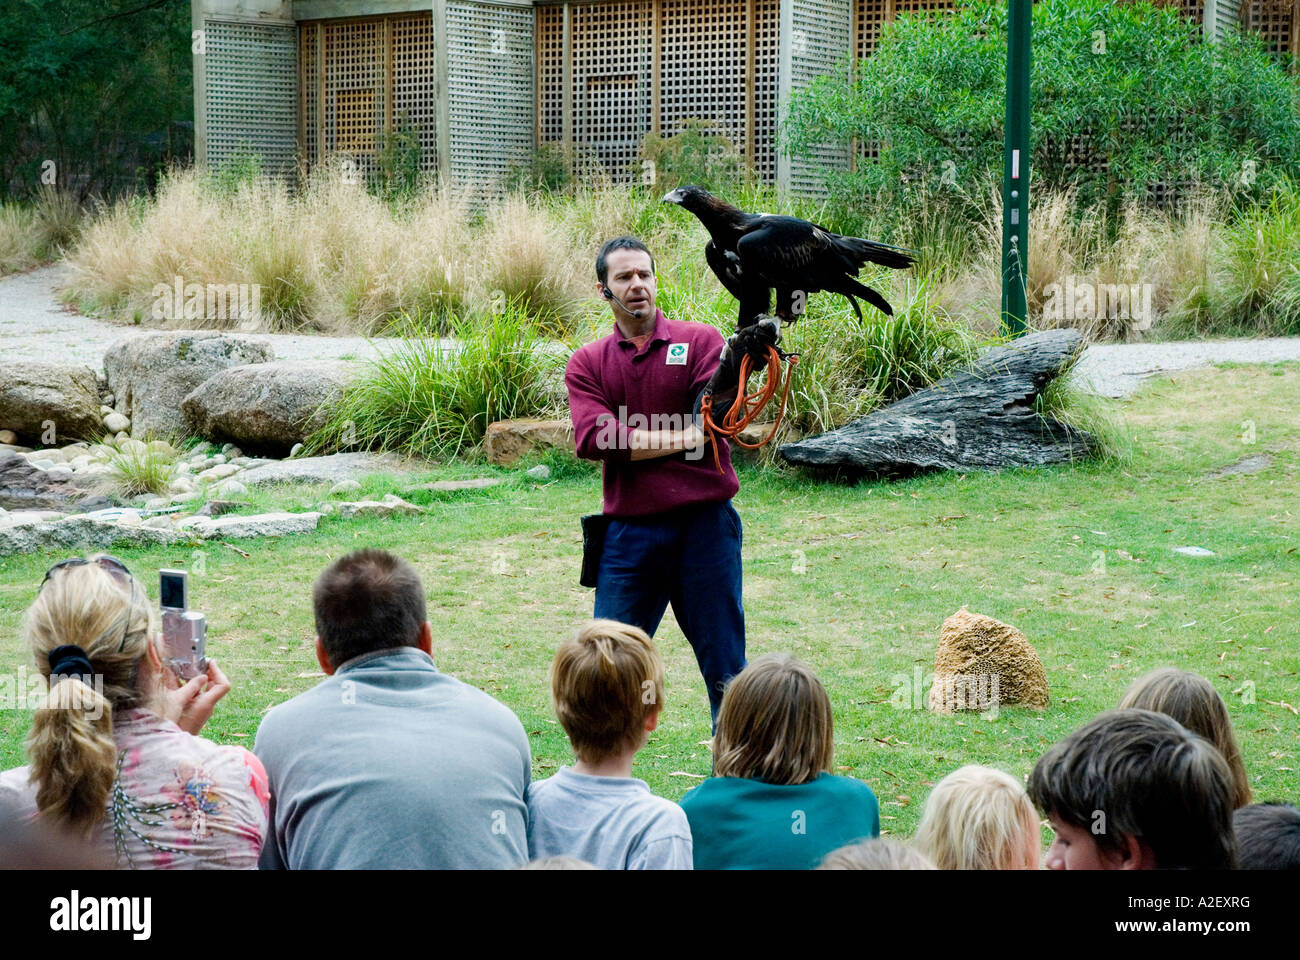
(1268, 836)
(619, 243)
(368, 600)
(1137, 773)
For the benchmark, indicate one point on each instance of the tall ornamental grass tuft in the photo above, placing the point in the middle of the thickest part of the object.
(435, 398)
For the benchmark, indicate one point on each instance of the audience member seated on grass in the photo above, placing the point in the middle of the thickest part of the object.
(878, 854)
(1135, 790)
(1268, 836)
(1192, 700)
(772, 802)
(607, 687)
(113, 748)
(390, 763)
(978, 818)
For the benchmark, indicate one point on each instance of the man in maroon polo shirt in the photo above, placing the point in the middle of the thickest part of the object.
(673, 535)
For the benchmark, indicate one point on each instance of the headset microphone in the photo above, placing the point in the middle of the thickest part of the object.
(609, 295)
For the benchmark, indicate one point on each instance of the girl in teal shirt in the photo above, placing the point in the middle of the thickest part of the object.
(772, 802)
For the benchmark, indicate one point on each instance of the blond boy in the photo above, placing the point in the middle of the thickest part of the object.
(607, 686)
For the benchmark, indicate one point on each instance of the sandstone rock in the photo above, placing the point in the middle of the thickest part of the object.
(158, 523)
(133, 446)
(25, 486)
(161, 448)
(258, 525)
(507, 440)
(151, 374)
(982, 663)
(216, 458)
(390, 505)
(35, 395)
(331, 469)
(268, 406)
(295, 450)
(8, 437)
(181, 484)
(116, 423)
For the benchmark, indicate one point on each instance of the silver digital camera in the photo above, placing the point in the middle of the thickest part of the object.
(185, 631)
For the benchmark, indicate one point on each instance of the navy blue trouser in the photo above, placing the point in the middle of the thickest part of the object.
(691, 559)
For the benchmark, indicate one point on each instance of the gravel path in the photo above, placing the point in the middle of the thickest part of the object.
(35, 326)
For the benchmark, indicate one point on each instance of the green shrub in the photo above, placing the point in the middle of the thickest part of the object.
(434, 398)
(1159, 105)
(549, 169)
(700, 153)
(848, 367)
(399, 159)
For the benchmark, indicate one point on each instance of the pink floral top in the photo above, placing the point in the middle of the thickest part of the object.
(178, 801)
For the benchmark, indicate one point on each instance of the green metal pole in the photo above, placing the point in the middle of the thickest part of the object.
(1015, 169)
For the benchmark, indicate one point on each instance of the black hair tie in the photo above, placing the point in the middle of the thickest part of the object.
(70, 661)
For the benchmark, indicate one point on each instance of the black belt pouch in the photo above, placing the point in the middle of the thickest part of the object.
(593, 545)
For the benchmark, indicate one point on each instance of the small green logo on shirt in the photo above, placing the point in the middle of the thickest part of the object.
(676, 354)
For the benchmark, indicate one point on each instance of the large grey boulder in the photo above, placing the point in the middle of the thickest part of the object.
(331, 469)
(24, 486)
(150, 374)
(982, 418)
(267, 406)
(36, 397)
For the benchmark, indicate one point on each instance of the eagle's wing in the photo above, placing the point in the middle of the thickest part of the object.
(726, 268)
(779, 249)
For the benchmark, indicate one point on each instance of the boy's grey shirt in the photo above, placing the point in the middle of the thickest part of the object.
(614, 823)
(391, 763)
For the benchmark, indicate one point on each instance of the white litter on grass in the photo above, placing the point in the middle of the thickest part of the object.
(1194, 551)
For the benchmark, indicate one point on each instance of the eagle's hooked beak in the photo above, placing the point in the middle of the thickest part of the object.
(674, 196)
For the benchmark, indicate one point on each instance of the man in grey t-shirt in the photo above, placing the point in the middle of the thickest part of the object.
(390, 763)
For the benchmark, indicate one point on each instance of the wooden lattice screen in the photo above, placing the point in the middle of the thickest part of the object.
(1276, 21)
(491, 100)
(361, 79)
(622, 69)
(821, 36)
(612, 66)
(249, 84)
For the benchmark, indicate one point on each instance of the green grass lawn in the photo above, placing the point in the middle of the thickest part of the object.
(854, 579)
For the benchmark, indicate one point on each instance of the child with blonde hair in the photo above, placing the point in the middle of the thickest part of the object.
(978, 818)
(607, 686)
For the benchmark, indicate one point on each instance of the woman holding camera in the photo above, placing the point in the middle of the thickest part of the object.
(114, 756)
